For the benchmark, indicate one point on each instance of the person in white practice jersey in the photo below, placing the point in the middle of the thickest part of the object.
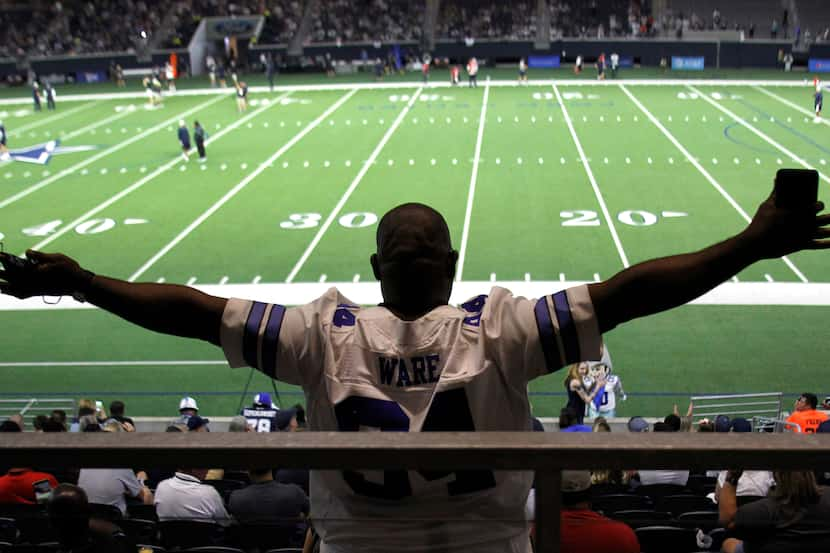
(415, 363)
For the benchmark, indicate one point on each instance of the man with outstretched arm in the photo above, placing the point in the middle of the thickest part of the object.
(414, 363)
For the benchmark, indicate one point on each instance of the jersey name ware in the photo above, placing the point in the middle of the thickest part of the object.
(454, 369)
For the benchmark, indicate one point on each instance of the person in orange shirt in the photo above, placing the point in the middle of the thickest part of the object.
(806, 416)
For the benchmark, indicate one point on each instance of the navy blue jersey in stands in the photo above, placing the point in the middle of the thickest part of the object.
(261, 420)
(184, 137)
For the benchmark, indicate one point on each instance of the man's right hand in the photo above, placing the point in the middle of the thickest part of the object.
(776, 231)
(43, 274)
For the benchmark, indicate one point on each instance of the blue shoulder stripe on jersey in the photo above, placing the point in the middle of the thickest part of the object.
(271, 340)
(250, 338)
(547, 337)
(567, 328)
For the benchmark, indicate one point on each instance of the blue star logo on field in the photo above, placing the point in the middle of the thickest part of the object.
(40, 154)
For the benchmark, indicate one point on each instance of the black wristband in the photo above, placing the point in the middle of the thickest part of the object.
(81, 291)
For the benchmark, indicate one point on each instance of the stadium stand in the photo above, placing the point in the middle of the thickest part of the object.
(710, 15)
(367, 21)
(466, 18)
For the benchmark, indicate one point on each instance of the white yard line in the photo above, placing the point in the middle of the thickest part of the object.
(705, 173)
(141, 182)
(60, 115)
(510, 83)
(352, 186)
(111, 363)
(242, 184)
(608, 219)
(368, 293)
(112, 149)
(760, 134)
(97, 124)
(791, 104)
(465, 234)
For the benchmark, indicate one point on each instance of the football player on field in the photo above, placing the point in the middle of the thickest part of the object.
(414, 363)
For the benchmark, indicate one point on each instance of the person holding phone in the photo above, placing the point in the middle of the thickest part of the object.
(27, 486)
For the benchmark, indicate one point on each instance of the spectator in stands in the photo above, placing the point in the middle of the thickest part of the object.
(580, 394)
(239, 424)
(637, 424)
(187, 408)
(59, 415)
(705, 425)
(38, 422)
(584, 530)
(69, 516)
(85, 407)
(266, 500)
(286, 420)
(496, 345)
(601, 425)
(569, 421)
(649, 477)
(806, 417)
(794, 517)
(723, 423)
(117, 412)
(17, 485)
(113, 487)
(197, 424)
(752, 482)
(184, 497)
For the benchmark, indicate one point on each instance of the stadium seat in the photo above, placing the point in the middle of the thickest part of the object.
(213, 549)
(636, 518)
(705, 520)
(139, 530)
(684, 503)
(262, 536)
(8, 530)
(240, 475)
(104, 511)
(665, 539)
(700, 484)
(184, 534)
(608, 489)
(286, 550)
(144, 512)
(620, 502)
(50, 547)
(656, 491)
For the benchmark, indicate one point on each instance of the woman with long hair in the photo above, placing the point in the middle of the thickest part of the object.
(579, 394)
(795, 516)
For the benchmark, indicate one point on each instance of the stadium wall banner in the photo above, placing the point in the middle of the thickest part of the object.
(90, 77)
(818, 65)
(241, 27)
(681, 63)
(546, 62)
(626, 61)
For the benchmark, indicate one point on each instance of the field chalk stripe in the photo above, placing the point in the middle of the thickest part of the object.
(605, 213)
(352, 187)
(242, 184)
(141, 182)
(704, 172)
(108, 151)
(60, 115)
(791, 104)
(465, 234)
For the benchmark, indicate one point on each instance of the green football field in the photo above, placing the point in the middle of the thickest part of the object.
(543, 186)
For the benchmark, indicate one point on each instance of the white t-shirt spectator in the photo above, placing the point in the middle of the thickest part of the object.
(184, 497)
(110, 486)
(649, 477)
(752, 482)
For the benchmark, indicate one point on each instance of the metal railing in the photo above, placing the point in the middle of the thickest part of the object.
(37, 406)
(545, 453)
(746, 405)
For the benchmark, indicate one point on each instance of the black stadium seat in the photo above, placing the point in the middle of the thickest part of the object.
(225, 487)
(705, 520)
(667, 539)
(744, 499)
(213, 549)
(637, 518)
(189, 533)
(144, 512)
(656, 491)
(700, 484)
(139, 530)
(262, 536)
(676, 504)
(104, 511)
(8, 530)
(620, 502)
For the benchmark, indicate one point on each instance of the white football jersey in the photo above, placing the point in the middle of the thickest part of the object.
(454, 369)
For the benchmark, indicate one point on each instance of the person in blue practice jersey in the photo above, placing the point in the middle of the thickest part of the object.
(414, 363)
(184, 139)
(262, 417)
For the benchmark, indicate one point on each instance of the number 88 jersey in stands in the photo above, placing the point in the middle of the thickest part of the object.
(454, 369)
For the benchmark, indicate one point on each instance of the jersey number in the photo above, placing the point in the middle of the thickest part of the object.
(450, 411)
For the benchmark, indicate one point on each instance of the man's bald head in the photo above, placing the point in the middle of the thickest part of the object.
(415, 262)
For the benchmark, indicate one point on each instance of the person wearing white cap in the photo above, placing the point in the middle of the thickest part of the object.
(187, 408)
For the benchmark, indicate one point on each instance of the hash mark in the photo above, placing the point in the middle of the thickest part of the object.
(323, 277)
(191, 281)
(356, 278)
(257, 279)
(223, 281)
(768, 277)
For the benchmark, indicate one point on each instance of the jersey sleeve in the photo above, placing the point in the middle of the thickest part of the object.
(284, 343)
(541, 336)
